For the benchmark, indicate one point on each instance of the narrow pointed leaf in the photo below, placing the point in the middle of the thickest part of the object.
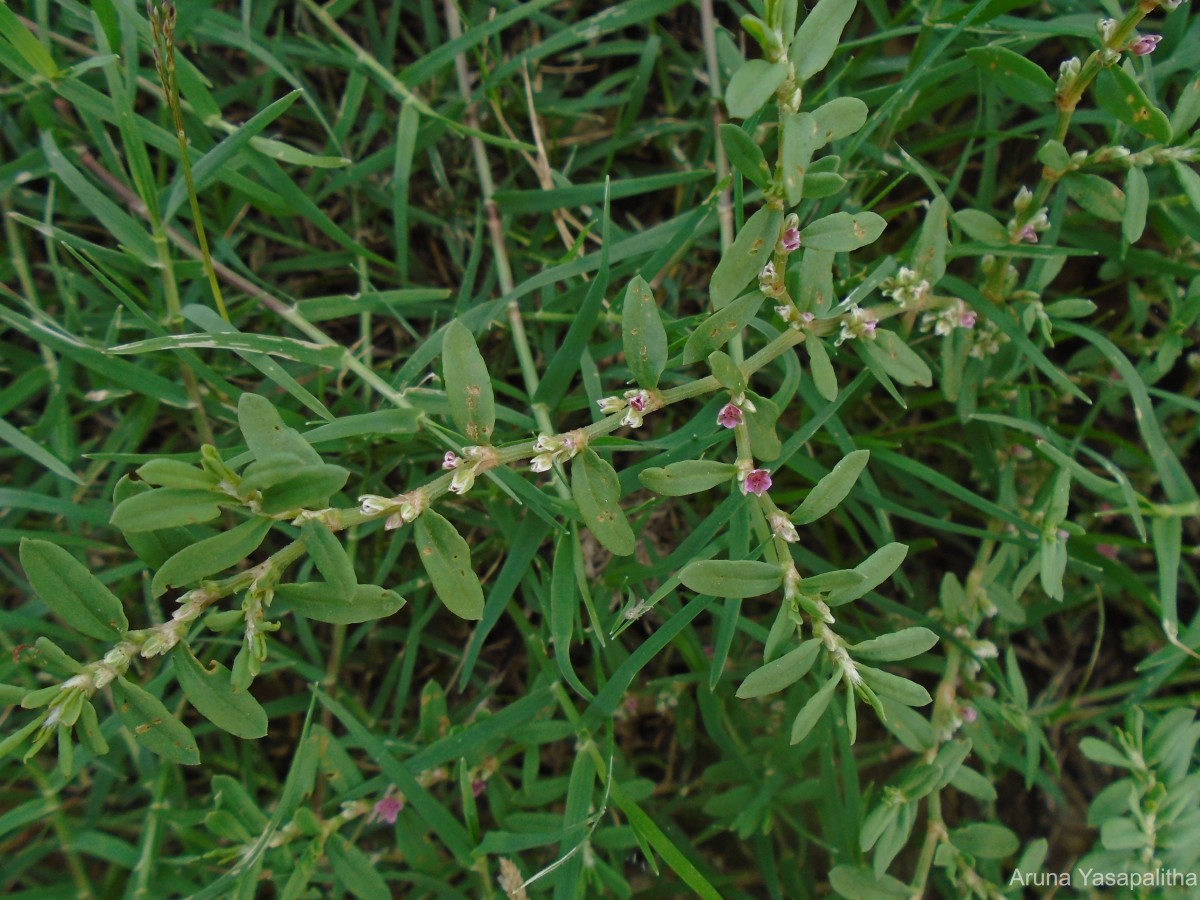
(899, 360)
(717, 329)
(643, 334)
(903, 644)
(154, 726)
(210, 691)
(842, 232)
(329, 556)
(746, 155)
(168, 508)
(687, 477)
(823, 375)
(781, 673)
(818, 37)
(731, 578)
(265, 433)
(447, 560)
(752, 86)
(322, 602)
(468, 385)
(1119, 94)
(72, 592)
(833, 488)
(1015, 75)
(211, 555)
(811, 712)
(597, 493)
(745, 258)
(894, 687)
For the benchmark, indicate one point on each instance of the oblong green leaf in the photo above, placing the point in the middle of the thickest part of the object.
(322, 602)
(1097, 195)
(818, 36)
(265, 433)
(824, 378)
(837, 580)
(1015, 75)
(210, 691)
(752, 86)
(597, 492)
(72, 592)
(929, 257)
(1118, 93)
(745, 258)
(780, 673)
(309, 488)
(168, 508)
(447, 560)
(986, 841)
(153, 725)
(731, 578)
(833, 488)
(355, 870)
(745, 154)
(894, 687)
(177, 474)
(468, 385)
(727, 372)
(760, 427)
(687, 477)
(903, 644)
(982, 227)
(899, 360)
(839, 118)
(798, 136)
(329, 556)
(1137, 204)
(642, 334)
(211, 555)
(811, 712)
(717, 329)
(842, 232)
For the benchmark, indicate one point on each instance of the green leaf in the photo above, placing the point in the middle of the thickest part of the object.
(745, 154)
(1054, 155)
(894, 687)
(812, 710)
(1120, 95)
(21, 442)
(28, 46)
(862, 884)
(760, 426)
(799, 139)
(468, 385)
(176, 474)
(842, 232)
(818, 185)
(780, 673)
(168, 508)
(903, 644)
(727, 372)
(832, 489)
(329, 556)
(929, 257)
(447, 560)
(717, 329)
(752, 86)
(210, 691)
(745, 258)
(153, 725)
(981, 227)
(642, 334)
(215, 554)
(1097, 195)
(355, 870)
(73, 593)
(1189, 181)
(1137, 204)
(309, 488)
(265, 433)
(985, 841)
(837, 580)
(597, 492)
(823, 375)
(1102, 752)
(1015, 75)
(687, 477)
(899, 360)
(322, 602)
(838, 119)
(818, 36)
(731, 578)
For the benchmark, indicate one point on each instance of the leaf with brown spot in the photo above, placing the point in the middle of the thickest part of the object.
(468, 385)
(447, 560)
(153, 725)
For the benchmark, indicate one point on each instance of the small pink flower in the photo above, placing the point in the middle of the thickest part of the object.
(1108, 550)
(477, 786)
(1145, 45)
(967, 319)
(730, 416)
(450, 460)
(969, 714)
(637, 403)
(869, 326)
(758, 482)
(1029, 235)
(790, 241)
(388, 809)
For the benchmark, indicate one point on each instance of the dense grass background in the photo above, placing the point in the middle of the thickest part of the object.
(344, 205)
